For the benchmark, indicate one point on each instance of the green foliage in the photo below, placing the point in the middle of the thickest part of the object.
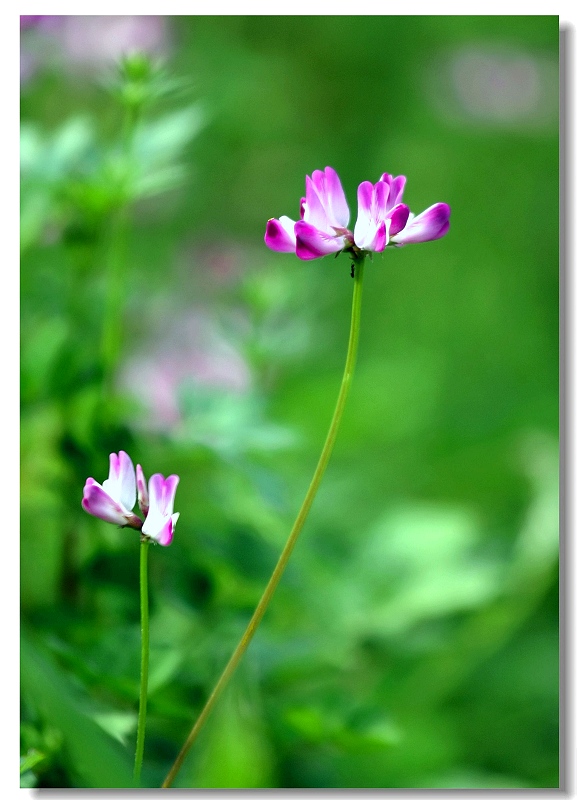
(413, 640)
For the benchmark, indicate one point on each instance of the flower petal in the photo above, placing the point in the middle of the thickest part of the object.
(335, 200)
(143, 501)
(398, 216)
(371, 229)
(127, 480)
(431, 224)
(314, 211)
(121, 481)
(396, 186)
(279, 235)
(313, 243)
(165, 535)
(99, 503)
(363, 223)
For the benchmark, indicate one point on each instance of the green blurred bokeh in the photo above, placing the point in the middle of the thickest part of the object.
(413, 641)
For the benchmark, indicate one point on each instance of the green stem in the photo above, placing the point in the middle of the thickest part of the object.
(116, 257)
(299, 522)
(144, 649)
(115, 293)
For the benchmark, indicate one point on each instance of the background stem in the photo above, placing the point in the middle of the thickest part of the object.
(144, 650)
(298, 524)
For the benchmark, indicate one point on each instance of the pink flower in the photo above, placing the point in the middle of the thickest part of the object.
(322, 228)
(381, 214)
(114, 500)
(160, 521)
(382, 219)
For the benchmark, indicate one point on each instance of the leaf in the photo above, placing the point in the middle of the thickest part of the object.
(97, 760)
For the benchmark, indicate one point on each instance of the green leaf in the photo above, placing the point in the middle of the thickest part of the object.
(97, 760)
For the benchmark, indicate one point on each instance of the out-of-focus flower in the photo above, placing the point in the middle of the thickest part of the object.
(192, 351)
(485, 84)
(114, 500)
(30, 20)
(382, 219)
(96, 40)
(89, 41)
(160, 520)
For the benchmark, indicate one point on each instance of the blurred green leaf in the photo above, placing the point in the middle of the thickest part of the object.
(95, 758)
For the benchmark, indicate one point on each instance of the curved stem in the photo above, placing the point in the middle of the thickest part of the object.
(298, 524)
(144, 649)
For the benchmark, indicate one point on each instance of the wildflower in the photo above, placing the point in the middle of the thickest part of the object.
(382, 219)
(160, 521)
(114, 500)
(381, 214)
(322, 228)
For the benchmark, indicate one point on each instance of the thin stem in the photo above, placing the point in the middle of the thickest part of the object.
(298, 524)
(115, 294)
(116, 258)
(144, 650)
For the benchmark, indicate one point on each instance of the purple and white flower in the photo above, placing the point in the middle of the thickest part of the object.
(160, 520)
(322, 228)
(114, 500)
(383, 219)
(381, 214)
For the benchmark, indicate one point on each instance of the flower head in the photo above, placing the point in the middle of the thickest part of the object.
(382, 219)
(114, 500)
(322, 228)
(160, 521)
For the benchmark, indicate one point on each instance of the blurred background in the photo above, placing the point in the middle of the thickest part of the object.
(413, 641)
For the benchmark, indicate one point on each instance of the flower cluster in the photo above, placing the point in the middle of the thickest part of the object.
(382, 219)
(114, 500)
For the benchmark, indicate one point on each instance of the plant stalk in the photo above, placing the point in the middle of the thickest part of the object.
(144, 652)
(358, 264)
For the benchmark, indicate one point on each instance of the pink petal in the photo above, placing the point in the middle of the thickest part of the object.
(166, 533)
(335, 197)
(397, 186)
(162, 493)
(121, 482)
(143, 501)
(98, 503)
(431, 224)
(127, 480)
(314, 210)
(365, 198)
(312, 243)
(398, 216)
(280, 236)
(370, 229)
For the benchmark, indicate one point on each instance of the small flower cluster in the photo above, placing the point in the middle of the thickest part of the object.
(114, 500)
(382, 219)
